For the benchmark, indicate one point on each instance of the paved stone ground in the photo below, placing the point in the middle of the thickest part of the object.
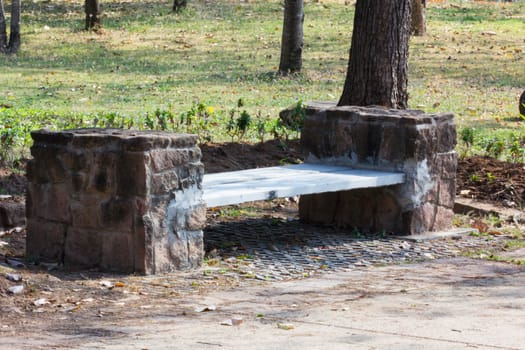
(277, 249)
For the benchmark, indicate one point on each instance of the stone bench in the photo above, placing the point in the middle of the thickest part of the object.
(130, 201)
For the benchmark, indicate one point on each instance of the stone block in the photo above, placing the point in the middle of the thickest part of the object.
(164, 183)
(446, 193)
(51, 138)
(447, 137)
(85, 214)
(75, 160)
(367, 210)
(50, 202)
(355, 209)
(447, 163)
(51, 169)
(162, 160)
(418, 144)
(185, 250)
(392, 151)
(79, 181)
(103, 175)
(45, 240)
(117, 214)
(132, 173)
(443, 218)
(196, 218)
(318, 208)
(118, 252)
(83, 248)
(98, 198)
(343, 139)
(360, 134)
(158, 216)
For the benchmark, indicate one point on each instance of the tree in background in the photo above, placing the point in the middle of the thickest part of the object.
(292, 38)
(378, 64)
(13, 44)
(522, 104)
(178, 5)
(92, 10)
(418, 22)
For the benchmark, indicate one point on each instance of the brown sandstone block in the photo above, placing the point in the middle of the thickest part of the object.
(83, 248)
(118, 252)
(45, 240)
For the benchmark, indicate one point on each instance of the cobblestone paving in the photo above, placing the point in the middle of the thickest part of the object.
(279, 249)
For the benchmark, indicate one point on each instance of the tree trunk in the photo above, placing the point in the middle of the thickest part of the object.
(378, 64)
(522, 104)
(178, 5)
(418, 22)
(92, 10)
(3, 29)
(14, 36)
(292, 38)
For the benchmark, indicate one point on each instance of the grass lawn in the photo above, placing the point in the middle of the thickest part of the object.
(146, 59)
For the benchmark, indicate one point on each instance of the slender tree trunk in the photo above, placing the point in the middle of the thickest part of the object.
(378, 64)
(14, 35)
(418, 22)
(92, 10)
(3, 29)
(292, 38)
(178, 5)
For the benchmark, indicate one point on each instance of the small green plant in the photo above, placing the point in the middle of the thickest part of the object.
(199, 120)
(467, 136)
(243, 123)
(516, 149)
(495, 147)
(490, 177)
(292, 119)
(239, 122)
(475, 178)
(261, 126)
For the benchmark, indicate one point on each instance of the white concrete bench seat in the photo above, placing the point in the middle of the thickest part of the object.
(237, 187)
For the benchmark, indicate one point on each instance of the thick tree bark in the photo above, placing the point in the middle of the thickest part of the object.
(3, 29)
(178, 5)
(292, 38)
(92, 10)
(14, 35)
(378, 64)
(418, 22)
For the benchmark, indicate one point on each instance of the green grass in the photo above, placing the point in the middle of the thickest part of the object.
(145, 58)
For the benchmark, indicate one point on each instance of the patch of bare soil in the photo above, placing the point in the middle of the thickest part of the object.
(492, 180)
(238, 156)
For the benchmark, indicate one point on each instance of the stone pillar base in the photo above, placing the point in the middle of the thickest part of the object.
(116, 200)
(417, 144)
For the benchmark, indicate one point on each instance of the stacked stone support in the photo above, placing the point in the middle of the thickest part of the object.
(115, 200)
(419, 145)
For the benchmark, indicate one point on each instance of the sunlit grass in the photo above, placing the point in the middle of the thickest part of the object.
(470, 63)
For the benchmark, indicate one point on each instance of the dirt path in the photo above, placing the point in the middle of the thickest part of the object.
(446, 304)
